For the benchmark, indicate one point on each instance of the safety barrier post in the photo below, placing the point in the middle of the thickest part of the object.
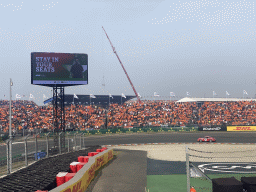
(36, 146)
(47, 145)
(26, 150)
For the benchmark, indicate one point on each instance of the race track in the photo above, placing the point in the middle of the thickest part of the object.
(176, 137)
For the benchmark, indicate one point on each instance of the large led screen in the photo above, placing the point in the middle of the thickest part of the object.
(65, 69)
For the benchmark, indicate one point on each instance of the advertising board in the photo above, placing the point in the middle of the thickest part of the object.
(82, 184)
(241, 128)
(61, 69)
(212, 129)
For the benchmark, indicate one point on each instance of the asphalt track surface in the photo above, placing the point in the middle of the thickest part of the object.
(175, 137)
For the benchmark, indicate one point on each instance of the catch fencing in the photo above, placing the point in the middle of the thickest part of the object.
(135, 130)
(33, 148)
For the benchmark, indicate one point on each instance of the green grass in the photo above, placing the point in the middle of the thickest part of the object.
(178, 183)
(167, 183)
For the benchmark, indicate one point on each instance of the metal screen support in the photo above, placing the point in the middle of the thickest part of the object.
(26, 150)
(59, 116)
(187, 170)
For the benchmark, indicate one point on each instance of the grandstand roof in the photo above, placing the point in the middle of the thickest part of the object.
(191, 99)
(102, 100)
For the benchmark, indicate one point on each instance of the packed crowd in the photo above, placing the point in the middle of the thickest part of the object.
(26, 114)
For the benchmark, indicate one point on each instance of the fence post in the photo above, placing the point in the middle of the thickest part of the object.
(75, 140)
(8, 159)
(68, 141)
(60, 142)
(47, 145)
(80, 141)
(187, 170)
(26, 150)
(83, 140)
(36, 146)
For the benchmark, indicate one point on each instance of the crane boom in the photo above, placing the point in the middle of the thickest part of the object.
(123, 67)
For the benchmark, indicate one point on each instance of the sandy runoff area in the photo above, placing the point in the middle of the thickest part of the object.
(198, 152)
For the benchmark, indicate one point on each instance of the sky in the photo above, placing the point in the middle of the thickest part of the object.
(197, 46)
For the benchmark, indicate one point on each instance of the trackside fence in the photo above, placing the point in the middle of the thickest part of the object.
(34, 148)
(134, 130)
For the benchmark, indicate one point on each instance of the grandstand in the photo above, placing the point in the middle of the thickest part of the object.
(185, 112)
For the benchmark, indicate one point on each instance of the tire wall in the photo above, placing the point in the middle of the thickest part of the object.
(84, 176)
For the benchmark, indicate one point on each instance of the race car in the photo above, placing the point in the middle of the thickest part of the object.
(206, 139)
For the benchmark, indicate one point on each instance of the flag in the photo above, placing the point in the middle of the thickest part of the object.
(92, 96)
(139, 95)
(227, 93)
(110, 95)
(31, 96)
(18, 96)
(123, 95)
(188, 94)
(172, 94)
(156, 94)
(245, 92)
(75, 96)
(214, 93)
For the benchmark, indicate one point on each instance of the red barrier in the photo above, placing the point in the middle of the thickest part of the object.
(80, 159)
(69, 176)
(41, 191)
(86, 159)
(80, 166)
(73, 167)
(98, 150)
(91, 154)
(60, 178)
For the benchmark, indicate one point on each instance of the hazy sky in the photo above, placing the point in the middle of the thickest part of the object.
(165, 46)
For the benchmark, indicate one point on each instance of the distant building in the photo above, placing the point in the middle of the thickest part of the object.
(200, 101)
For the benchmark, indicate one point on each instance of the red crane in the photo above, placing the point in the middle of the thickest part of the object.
(123, 67)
